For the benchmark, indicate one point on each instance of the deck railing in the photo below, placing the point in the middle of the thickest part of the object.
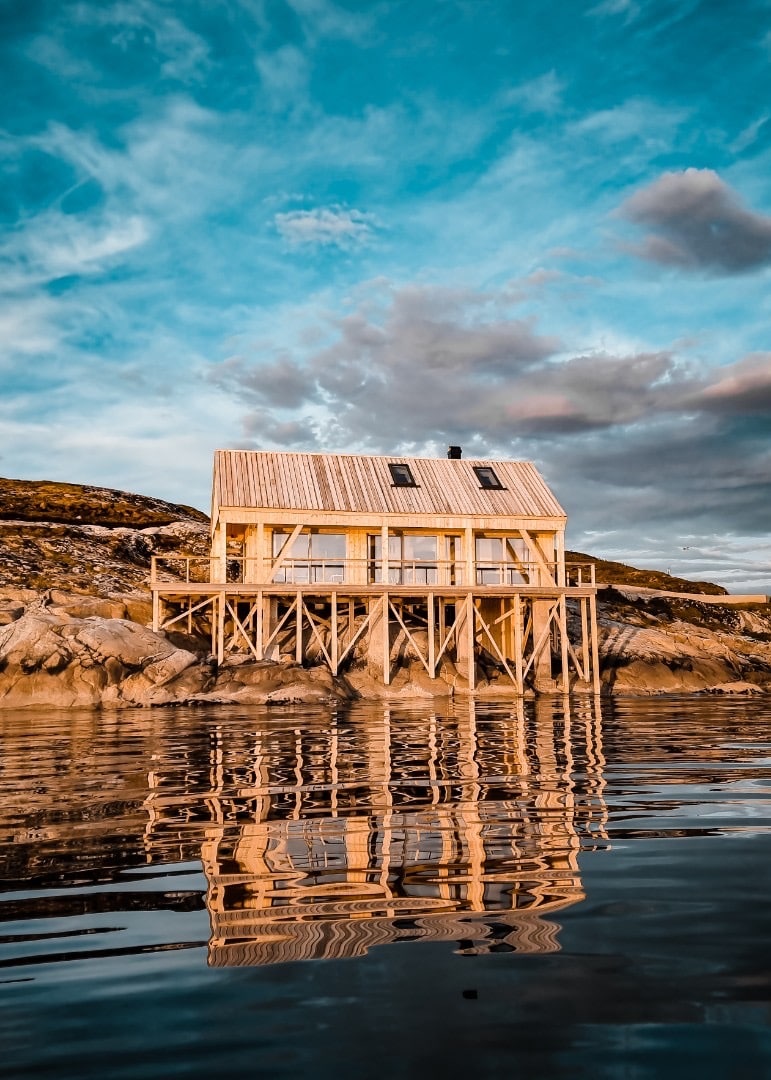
(201, 569)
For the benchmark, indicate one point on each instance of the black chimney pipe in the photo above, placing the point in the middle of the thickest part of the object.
(454, 453)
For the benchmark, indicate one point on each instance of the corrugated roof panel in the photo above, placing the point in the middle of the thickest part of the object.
(356, 483)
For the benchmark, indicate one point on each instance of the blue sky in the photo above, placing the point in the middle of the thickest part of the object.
(539, 230)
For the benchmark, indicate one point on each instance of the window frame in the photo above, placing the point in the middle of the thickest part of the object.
(397, 478)
(488, 478)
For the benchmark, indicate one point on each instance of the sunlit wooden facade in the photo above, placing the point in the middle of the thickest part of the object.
(327, 557)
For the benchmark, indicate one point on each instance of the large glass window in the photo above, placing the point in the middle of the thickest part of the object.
(314, 557)
(501, 560)
(412, 559)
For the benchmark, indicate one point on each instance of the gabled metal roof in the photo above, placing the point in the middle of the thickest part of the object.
(352, 483)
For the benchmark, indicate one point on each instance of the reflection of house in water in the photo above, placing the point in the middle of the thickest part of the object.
(323, 842)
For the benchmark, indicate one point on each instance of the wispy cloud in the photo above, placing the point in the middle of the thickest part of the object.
(629, 9)
(543, 94)
(284, 74)
(181, 54)
(54, 245)
(750, 134)
(325, 19)
(644, 121)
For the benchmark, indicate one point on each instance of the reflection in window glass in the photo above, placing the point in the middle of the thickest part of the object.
(500, 560)
(420, 548)
(314, 556)
(487, 478)
(401, 476)
(412, 560)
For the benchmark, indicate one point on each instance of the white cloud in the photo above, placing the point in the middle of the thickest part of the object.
(325, 226)
(27, 328)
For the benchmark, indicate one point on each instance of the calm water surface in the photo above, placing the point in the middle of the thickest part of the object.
(424, 891)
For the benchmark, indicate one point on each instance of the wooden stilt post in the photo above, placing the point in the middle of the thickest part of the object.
(156, 612)
(564, 642)
(220, 618)
(518, 657)
(386, 641)
(431, 638)
(585, 638)
(259, 628)
(298, 644)
(334, 649)
(471, 639)
(595, 644)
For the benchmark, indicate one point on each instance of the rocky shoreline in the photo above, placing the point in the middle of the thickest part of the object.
(63, 649)
(75, 614)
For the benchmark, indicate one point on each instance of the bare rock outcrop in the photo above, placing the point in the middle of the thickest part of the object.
(59, 660)
(658, 646)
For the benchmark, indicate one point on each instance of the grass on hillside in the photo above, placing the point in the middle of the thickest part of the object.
(616, 573)
(80, 504)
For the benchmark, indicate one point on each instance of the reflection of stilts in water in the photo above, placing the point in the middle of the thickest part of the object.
(465, 827)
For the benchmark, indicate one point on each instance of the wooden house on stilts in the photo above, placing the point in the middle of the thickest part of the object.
(323, 557)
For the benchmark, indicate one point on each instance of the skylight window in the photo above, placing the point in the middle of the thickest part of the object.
(401, 475)
(487, 478)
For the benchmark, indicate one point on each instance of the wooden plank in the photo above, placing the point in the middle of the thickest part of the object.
(285, 552)
(298, 642)
(534, 549)
(299, 490)
(314, 495)
(595, 644)
(334, 643)
(272, 482)
(320, 469)
(431, 637)
(563, 628)
(471, 639)
(342, 495)
(359, 484)
(518, 655)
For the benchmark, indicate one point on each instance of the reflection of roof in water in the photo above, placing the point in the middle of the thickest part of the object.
(322, 843)
(343, 938)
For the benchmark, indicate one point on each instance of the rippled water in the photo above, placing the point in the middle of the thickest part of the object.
(541, 891)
